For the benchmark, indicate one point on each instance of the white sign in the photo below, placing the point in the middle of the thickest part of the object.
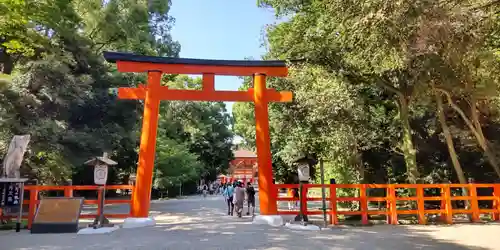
(303, 170)
(100, 174)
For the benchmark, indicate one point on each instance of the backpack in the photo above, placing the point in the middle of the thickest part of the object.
(251, 191)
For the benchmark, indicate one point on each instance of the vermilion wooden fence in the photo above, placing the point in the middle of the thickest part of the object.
(446, 210)
(33, 200)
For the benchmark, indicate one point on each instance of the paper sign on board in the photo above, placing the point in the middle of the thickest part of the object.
(303, 171)
(100, 174)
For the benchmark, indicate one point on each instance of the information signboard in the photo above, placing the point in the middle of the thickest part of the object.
(10, 194)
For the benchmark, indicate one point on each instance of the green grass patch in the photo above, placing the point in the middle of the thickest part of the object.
(11, 225)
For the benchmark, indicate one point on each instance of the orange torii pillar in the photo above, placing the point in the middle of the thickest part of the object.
(153, 92)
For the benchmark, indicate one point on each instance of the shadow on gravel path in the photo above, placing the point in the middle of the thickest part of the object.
(195, 223)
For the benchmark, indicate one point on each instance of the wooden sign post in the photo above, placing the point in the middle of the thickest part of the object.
(12, 197)
(303, 168)
(101, 165)
(11, 185)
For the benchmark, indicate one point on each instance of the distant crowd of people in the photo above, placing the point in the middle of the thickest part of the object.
(235, 194)
(210, 189)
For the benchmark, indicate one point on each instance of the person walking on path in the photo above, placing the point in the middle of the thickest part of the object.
(205, 191)
(294, 192)
(290, 194)
(228, 195)
(239, 198)
(296, 195)
(250, 198)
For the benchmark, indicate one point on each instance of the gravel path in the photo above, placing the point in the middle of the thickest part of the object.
(197, 223)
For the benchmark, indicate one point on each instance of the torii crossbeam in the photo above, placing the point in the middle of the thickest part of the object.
(154, 92)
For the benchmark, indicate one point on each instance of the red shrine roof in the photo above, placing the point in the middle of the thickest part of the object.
(242, 153)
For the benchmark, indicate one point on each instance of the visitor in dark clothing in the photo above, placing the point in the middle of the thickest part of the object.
(296, 195)
(250, 198)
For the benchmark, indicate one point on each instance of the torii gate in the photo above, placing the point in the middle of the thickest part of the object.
(153, 92)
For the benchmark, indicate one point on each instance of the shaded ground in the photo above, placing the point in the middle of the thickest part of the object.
(197, 223)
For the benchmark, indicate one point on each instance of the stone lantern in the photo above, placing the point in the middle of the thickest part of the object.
(101, 165)
(303, 164)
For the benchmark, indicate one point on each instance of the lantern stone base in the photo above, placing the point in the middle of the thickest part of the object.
(302, 227)
(101, 230)
(138, 222)
(54, 228)
(272, 220)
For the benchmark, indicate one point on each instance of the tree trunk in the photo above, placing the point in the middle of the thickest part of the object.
(449, 140)
(6, 62)
(408, 149)
(475, 128)
(483, 142)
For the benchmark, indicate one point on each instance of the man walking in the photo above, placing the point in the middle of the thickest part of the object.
(250, 198)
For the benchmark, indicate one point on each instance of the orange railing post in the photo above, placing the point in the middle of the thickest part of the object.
(421, 206)
(443, 204)
(474, 203)
(68, 191)
(363, 204)
(303, 199)
(333, 204)
(392, 215)
(388, 204)
(447, 201)
(32, 205)
(496, 202)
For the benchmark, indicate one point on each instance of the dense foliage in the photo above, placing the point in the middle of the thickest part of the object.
(385, 91)
(56, 86)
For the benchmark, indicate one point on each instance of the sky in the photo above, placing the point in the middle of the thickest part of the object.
(220, 29)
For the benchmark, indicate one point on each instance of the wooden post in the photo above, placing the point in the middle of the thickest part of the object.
(393, 213)
(32, 205)
(68, 190)
(388, 204)
(267, 192)
(496, 202)
(421, 206)
(100, 198)
(303, 200)
(474, 202)
(323, 193)
(448, 208)
(142, 189)
(363, 204)
(333, 204)
(443, 204)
